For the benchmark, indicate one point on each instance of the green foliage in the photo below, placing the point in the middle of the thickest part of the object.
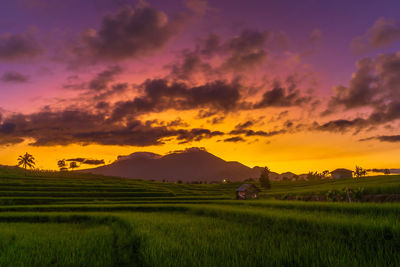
(264, 178)
(215, 234)
(336, 195)
(314, 176)
(357, 193)
(74, 219)
(285, 196)
(49, 244)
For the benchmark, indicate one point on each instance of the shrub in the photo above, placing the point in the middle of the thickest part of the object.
(264, 178)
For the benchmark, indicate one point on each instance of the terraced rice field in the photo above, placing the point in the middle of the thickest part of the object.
(102, 221)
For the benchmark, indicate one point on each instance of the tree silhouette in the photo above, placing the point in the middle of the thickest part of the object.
(325, 174)
(73, 165)
(61, 164)
(314, 176)
(386, 171)
(26, 161)
(360, 172)
(264, 178)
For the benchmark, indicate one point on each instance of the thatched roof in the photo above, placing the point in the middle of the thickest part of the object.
(247, 187)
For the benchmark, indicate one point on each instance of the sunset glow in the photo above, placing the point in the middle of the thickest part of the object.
(310, 88)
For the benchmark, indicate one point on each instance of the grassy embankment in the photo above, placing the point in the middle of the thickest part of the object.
(79, 220)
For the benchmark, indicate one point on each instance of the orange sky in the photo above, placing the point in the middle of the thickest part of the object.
(298, 152)
(281, 87)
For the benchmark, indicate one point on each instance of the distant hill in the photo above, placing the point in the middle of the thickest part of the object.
(190, 165)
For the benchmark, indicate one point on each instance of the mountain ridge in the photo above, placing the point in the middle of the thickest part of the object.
(190, 165)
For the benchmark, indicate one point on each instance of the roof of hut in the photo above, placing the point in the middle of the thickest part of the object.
(245, 187)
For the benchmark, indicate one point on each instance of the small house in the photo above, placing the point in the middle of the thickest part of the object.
(247, 191)
(341, 173)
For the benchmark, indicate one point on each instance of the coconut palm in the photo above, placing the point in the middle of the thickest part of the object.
(26, 161)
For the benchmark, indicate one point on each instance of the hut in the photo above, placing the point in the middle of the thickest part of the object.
(341, 173)
(247, 191)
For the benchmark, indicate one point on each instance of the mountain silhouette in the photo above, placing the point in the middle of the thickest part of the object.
(190, 165)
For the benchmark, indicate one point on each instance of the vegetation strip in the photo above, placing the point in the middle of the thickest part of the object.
(125, 244)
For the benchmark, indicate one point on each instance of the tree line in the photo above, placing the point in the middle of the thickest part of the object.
(28, 161)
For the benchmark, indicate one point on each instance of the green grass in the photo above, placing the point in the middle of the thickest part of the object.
(262, 239)
(372, 185)
(70, 219)
(78, 187)
(241, 235)
(46, 244)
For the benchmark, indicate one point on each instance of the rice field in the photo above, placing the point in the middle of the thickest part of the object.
(78, 220)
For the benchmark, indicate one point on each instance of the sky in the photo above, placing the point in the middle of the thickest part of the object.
(293, 85)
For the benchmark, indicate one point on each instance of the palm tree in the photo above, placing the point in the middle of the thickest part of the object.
(26, 161)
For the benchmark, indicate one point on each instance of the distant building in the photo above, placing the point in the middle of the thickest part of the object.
(247, 191)
(341, 173)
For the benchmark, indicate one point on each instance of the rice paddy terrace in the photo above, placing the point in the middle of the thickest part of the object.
(49, 219)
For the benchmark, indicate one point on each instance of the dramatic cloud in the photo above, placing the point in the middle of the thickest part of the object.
(376, 86)
(102, 80)
(211, 45)
(383, 33)
(14, 77)
(159, 95)
(99, 84)
(257, 133)
(106, 123)
(21, 46)
(106, 111)
(88, 161)
(379, 116)
(342, 125)
(191, 65)
(234, 139)
(384, 138)
(115, 90)
(7, 128)
(197, 134)
(243, 129)
(246, 50)
(78, 126)
(131, 33)
(362, 90)
(280, 97)
(241, 53)
(244, 125)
